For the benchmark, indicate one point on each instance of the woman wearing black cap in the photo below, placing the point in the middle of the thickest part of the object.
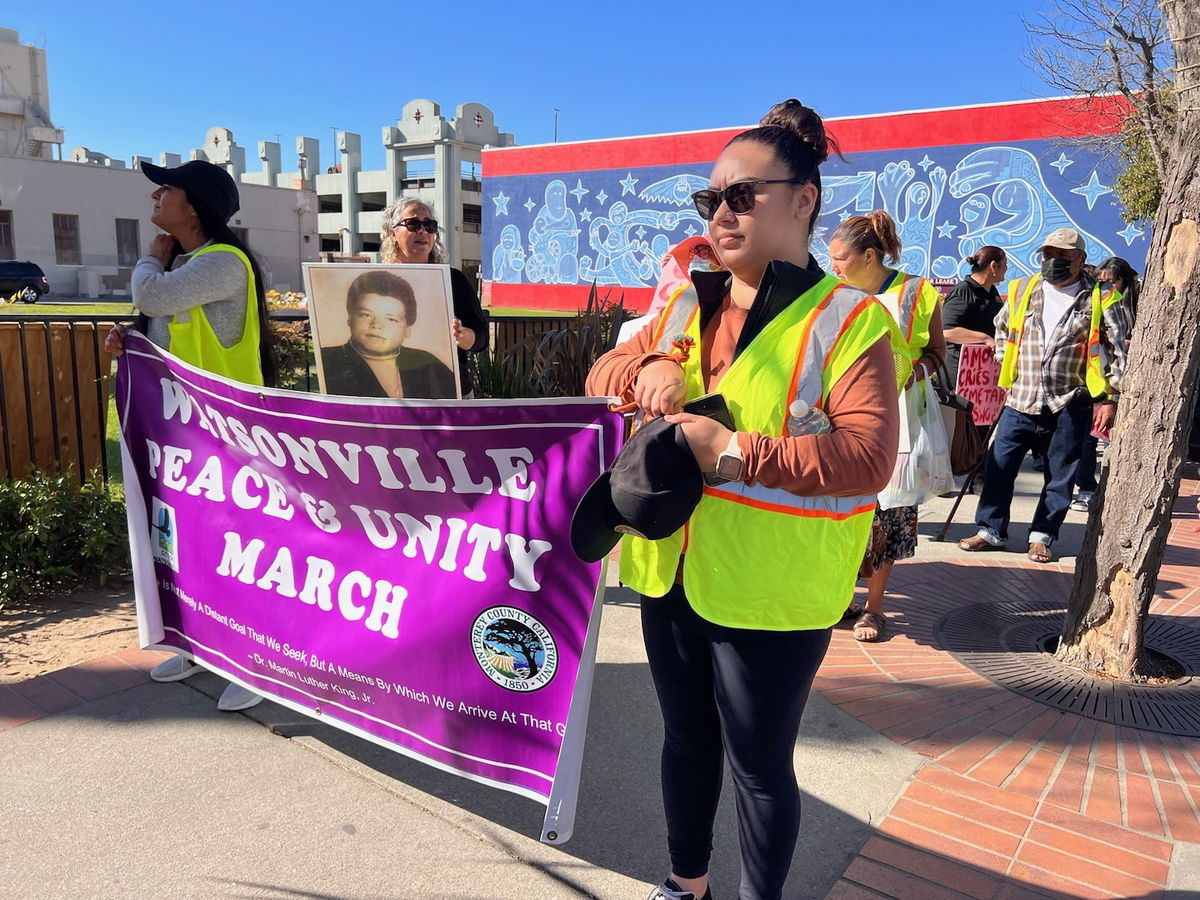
(738, 605)
(200, 295)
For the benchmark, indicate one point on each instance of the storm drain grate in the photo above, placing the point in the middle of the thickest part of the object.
(1003, 642)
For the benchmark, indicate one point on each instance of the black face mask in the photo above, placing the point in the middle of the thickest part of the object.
(1056, 271)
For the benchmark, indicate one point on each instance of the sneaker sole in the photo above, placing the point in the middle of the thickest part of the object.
(182, 674)
(240, 706)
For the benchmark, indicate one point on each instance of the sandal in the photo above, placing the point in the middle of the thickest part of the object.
(873, 621)
(1040, 553)
(976, 544)
(853, 611)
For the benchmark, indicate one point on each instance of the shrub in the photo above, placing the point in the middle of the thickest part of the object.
(556, 362)
(293, 349)
(54, 531)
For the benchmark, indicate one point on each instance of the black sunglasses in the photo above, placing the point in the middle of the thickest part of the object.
(739, 196)
(415, 224)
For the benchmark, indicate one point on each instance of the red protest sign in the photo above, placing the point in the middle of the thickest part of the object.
(978, 381)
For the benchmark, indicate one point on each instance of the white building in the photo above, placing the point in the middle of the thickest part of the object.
(426, 155)
(85, 220)
(25, 126)
(86, 225)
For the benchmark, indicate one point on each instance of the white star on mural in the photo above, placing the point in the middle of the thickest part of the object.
(501, 202)
(628, 183)
(946, 229)
(843, 215)
(691, 230)
(529, 205)
(1092, 191)
(1131, 233)
(641, 232)
(579, 190)
(585, 215)
(601, 196)
(925, 163)
(1062, 162)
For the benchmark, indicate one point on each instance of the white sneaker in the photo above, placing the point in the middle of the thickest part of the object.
(669, 890)
(236, 697)
(1082, 503)
(174, 669)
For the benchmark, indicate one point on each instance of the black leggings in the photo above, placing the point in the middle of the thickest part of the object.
(739, 691)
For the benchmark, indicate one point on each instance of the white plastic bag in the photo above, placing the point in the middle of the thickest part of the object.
(933, 430)
(923, 471)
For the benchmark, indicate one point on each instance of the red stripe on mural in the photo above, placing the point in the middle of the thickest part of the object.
(619, 153)
(560, 296)
(1071, 117)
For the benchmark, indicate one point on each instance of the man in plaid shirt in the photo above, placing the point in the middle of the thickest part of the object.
(1049, 404)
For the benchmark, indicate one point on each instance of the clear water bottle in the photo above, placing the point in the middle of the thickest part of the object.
(805, 419)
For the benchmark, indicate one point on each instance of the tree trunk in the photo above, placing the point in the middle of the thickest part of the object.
(1131, 517)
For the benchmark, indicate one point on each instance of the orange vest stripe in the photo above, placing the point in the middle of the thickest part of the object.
(785, 509)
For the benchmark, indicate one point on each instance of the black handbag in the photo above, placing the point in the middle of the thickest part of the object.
(966, 446)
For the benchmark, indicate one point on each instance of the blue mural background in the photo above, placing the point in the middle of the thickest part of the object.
(613, 226)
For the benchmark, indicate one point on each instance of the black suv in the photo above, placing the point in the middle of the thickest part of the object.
(23, 279)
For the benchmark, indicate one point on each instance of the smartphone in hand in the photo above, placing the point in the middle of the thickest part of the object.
(712, 406)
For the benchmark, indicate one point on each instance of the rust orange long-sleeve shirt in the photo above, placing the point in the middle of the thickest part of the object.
(855, 458)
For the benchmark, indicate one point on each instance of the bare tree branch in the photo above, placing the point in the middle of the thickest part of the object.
(1095, 47)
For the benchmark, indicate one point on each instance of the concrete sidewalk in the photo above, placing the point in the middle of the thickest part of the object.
(272, 804)
(920, 777)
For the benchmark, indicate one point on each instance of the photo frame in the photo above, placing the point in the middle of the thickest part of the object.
(363, 315)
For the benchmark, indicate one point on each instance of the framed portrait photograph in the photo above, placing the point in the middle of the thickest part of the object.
(383, 330)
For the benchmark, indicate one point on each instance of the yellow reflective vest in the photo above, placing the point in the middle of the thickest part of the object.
(916, 300)
(1019, 292)
(760, 557)
(194, 341)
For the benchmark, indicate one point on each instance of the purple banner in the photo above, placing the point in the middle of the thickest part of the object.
(400, 569)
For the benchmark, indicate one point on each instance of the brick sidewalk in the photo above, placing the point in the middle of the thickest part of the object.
(59, 691)
(1016, 799)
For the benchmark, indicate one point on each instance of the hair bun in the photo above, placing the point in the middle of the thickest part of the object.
(973, 259)
(803, 122)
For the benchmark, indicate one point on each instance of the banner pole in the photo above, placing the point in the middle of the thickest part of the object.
(559, 822)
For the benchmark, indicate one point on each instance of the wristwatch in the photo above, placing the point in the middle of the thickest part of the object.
(729, 463)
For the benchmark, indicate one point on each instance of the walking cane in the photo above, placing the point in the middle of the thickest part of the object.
(941, 535)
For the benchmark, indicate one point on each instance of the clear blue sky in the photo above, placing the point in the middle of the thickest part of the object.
(142, 78)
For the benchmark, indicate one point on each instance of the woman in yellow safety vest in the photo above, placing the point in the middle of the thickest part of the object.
(738, 605)
(857, 250)
(200, 295)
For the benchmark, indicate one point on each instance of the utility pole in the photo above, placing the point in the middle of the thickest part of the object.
(556, 112)
(333, 128)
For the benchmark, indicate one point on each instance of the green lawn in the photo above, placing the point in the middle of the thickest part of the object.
(501, 311)
(50, 308)
(112, 440)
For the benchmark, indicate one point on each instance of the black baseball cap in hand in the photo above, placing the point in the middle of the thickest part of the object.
(206, 185)
(650, 491)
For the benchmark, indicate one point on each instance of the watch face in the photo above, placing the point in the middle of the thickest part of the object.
(729, 467)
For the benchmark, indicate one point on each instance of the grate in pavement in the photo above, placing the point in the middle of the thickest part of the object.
(1003, 642)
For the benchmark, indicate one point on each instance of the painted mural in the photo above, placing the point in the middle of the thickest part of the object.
(614, 226)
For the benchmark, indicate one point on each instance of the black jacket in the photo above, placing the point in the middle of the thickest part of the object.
(781, 284)
(970, 306)
(468, 311)
(422, 375)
